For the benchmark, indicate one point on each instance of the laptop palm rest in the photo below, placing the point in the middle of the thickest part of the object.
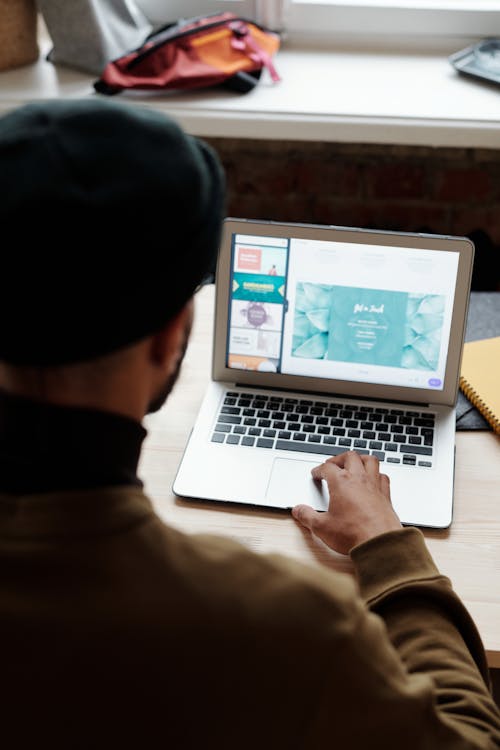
(291, 483)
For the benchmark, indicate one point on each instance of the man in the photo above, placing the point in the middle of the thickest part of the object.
(117, 631)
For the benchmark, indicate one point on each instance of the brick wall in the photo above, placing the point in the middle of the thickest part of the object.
(450, 191)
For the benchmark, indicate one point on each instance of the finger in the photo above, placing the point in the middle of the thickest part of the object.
(326, 470)
(341, 459)
(371, 464)
(306, 516)
(385, 485)
(350, 461)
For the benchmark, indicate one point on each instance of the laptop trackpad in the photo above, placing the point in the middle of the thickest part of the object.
(291, 483)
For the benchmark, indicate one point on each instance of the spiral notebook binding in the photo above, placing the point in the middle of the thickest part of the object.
(478, 402)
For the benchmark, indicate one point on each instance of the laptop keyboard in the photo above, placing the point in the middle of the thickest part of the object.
(396, 436)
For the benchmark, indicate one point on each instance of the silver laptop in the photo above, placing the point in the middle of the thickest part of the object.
(329, 339)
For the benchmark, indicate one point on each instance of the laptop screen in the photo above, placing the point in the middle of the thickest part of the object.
(338, 310)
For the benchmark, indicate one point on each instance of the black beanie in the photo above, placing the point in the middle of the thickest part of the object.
(110, 217)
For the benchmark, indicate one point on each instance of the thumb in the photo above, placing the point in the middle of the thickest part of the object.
(306, 516)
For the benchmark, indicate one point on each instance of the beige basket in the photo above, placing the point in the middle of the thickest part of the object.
(18, 33)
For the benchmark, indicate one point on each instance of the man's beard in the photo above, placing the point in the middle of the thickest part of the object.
(157, 401)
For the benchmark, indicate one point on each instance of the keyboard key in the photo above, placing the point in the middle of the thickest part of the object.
(284, 435)
(327, 450)
(428, 422)
(314, 438)
(397, 428)
(338, 431)
(269, 433)
(425, 463)
(384, 436)
(375, 445)
(345, 442)
(359, 444)
(218, 437)
(264, 423)
(230, 410)
(399, 438)
(309, 428)
(411, 430)
(233, 439)
(248, 412)
(229, 419)
(409, 460)
(229, 401)
(353, 433)
(222, 427)
(369, 435)
(239, 430)
(391, 447)
(264, 443)
(297, 436)
(250, 421)
(263, 413)
(393, 460)
(415, 440)
(379, 454)
(420, 449)
(254, 431)
(247, 440)
(329, 440)
(279, 425)
(323, 430)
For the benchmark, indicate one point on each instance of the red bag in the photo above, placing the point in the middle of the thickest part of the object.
(206, 51)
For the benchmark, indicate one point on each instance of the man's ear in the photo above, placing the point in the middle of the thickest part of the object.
(167, 344)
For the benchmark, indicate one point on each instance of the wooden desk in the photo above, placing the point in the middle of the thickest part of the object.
(469, 552)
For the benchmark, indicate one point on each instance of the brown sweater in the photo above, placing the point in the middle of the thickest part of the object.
(117, 631)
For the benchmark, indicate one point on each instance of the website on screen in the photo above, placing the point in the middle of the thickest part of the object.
(341, 311)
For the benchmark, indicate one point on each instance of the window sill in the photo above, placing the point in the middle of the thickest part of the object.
(346, 95)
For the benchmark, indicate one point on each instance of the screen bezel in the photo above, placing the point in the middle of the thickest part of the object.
(461, 245)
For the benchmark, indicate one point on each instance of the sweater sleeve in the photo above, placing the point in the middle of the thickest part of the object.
(432, 633)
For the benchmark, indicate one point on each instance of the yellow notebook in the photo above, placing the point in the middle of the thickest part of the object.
(480, 378)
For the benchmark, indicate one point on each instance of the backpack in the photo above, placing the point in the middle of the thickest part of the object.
(221, 48)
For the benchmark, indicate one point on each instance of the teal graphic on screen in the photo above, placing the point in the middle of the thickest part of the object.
(258, 287)
(368, 326)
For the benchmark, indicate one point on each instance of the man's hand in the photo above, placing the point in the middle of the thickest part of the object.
(360, 502)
